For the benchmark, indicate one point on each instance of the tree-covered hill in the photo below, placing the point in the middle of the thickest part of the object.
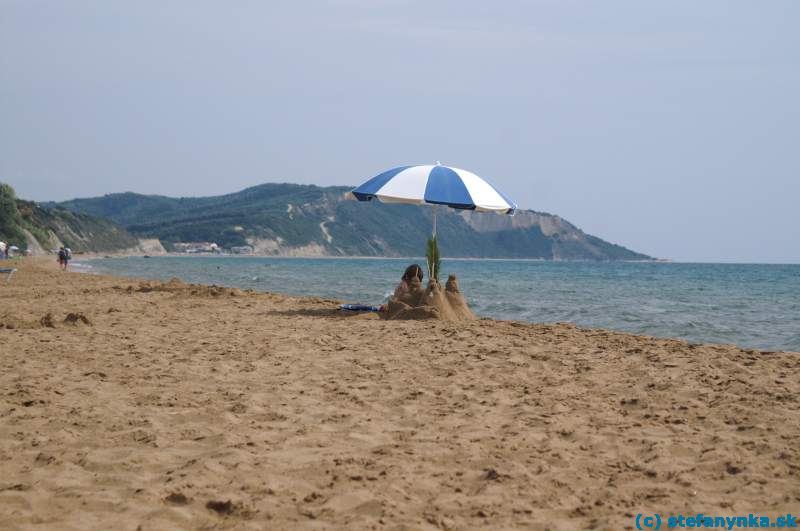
(280, 219)
(29, 225)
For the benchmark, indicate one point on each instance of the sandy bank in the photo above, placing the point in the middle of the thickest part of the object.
(170, 406)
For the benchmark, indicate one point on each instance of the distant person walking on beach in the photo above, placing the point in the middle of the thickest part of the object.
(64, 256)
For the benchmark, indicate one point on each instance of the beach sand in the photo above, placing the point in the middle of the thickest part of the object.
(168, 406)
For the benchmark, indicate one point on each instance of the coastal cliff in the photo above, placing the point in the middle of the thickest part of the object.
(39, 229)
(306, 220)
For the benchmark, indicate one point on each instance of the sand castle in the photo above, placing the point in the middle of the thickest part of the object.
(432, 302)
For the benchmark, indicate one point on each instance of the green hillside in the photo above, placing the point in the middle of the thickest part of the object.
(29, 225)
(312, 220)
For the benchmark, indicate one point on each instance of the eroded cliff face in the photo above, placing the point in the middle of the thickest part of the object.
(150, 246)
(523, 219)
(37, 248)
(278, 247)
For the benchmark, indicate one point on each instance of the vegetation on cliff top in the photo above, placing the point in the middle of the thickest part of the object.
(52, 226)
(327, 221)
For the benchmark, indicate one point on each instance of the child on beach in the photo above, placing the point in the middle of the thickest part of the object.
(403, 288)
(414, 270)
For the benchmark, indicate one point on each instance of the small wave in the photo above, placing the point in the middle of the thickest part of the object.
(502, 307)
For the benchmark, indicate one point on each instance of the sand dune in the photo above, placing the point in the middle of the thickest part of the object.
(127, 404)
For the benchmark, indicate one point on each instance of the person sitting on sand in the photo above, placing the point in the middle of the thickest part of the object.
(414, 270)
(404, 287)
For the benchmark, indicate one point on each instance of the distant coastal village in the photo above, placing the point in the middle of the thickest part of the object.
(209, 248)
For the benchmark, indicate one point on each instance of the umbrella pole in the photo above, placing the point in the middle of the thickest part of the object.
(433, 264)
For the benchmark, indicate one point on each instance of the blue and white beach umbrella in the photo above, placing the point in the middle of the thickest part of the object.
(435, 185)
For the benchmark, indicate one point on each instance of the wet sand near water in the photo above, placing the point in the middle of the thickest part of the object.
(134, 404)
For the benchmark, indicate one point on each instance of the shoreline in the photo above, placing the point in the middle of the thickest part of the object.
(93, 256)
(151, 404)
(666, 335)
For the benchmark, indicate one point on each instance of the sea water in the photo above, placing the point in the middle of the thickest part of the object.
(750, 305)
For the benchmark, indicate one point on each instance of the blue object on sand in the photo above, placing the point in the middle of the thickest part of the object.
(9, 271)
(359, 308)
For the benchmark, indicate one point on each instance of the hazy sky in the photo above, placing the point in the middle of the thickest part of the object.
(670, 127)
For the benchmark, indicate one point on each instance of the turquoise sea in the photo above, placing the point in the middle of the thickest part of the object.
(750, 305)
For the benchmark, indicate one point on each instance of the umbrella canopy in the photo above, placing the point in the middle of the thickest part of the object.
(435, 185)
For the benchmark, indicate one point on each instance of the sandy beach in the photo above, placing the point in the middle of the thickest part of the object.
(133, 404)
